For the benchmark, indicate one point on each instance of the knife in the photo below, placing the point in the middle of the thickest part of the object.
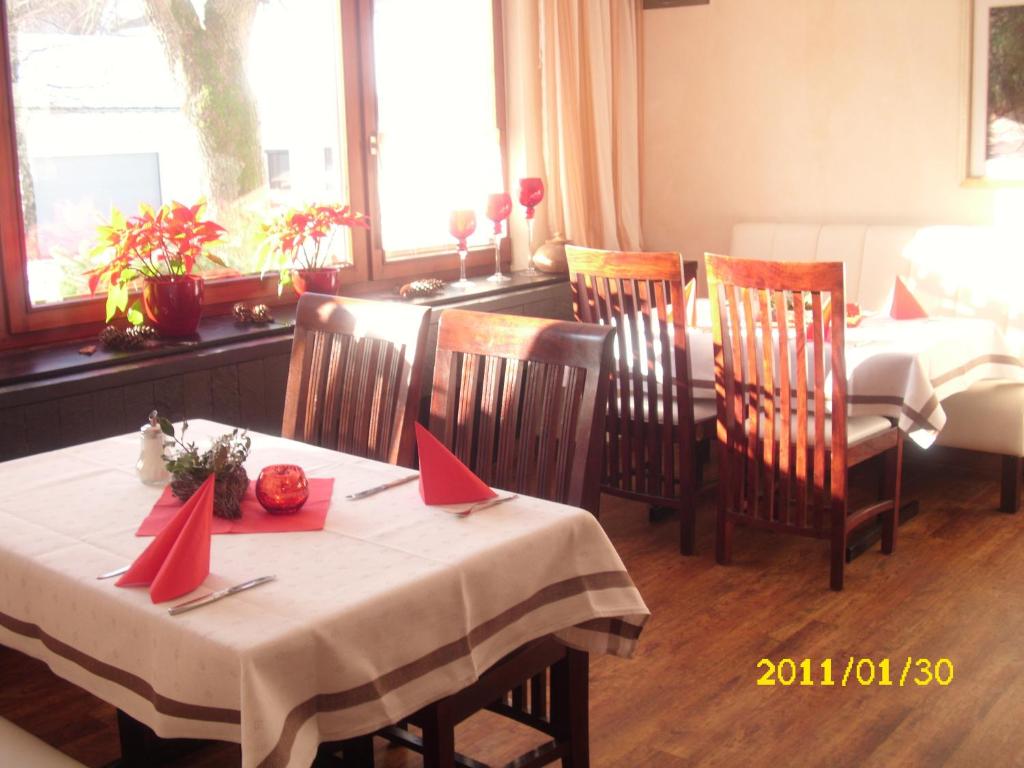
(113, 573)
(381, 487)
(219, 594)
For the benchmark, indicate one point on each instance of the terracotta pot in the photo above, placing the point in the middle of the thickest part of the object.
(550, 257)
(324, 280)
(173, 303)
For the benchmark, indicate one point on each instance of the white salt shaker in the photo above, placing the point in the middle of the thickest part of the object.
(150, 466)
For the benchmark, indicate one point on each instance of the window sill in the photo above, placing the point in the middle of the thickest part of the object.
(43, 364)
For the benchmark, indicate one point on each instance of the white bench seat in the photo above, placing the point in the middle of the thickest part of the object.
(20, 749)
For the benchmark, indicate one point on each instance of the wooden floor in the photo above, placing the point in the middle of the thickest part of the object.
(954, 589)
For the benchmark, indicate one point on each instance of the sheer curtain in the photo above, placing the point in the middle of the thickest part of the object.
(575, 108)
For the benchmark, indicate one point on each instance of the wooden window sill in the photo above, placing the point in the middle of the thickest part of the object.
(41, 364)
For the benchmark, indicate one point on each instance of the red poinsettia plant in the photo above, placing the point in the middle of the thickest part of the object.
(168, 241)
(302, 238)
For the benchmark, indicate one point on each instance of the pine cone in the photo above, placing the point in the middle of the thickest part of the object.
(419, 288)
(255, 315)
(242, 313)
(261, 314)
(127, 339)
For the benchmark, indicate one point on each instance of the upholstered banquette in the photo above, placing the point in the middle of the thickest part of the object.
(966, 271)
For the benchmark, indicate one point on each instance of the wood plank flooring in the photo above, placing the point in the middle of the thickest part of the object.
(952, 590)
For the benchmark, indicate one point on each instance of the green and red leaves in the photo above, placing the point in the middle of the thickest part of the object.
(166, 241)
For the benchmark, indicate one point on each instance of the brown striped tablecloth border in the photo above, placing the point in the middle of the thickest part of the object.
(133, 683)
(920, 417)
(443, 656)
(374, 689)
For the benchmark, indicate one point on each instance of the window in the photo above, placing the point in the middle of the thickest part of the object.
(435, 113)
(997, 95)
(134, 103)
(254, 106)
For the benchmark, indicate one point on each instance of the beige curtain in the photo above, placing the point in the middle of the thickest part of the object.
(573, 71)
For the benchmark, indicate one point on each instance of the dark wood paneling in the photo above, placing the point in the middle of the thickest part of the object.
(241, 383)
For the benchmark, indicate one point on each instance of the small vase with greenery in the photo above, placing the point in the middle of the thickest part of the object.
(189, 468)
(298, 245)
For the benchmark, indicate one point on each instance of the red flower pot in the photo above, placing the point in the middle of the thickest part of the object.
(173, 303)
(324, 280)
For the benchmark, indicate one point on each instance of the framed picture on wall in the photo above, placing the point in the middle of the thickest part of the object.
(997, 91)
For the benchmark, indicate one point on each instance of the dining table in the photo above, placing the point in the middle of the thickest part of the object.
(391, 606)
(900, 369)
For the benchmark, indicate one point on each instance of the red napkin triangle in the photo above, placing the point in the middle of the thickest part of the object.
(904, 305)
(443, 478)
(826, 324)
(178, 559)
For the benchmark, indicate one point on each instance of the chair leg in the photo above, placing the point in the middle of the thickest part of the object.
(723, 538)
(570, 707)
(1011, 487)
(438, 736)
(838, 544)
(893, 474)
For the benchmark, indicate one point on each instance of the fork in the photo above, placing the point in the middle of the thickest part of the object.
(484, 505)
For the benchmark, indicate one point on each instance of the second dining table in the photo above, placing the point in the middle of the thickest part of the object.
(900, 369)
(393, 605)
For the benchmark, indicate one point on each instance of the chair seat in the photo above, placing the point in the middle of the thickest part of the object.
(20, 748)
(703, 410)
(858, 429)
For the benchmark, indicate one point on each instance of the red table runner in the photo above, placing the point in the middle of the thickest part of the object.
(254, 519)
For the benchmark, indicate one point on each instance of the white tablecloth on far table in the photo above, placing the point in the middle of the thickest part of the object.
(392, 606)
(901, 369)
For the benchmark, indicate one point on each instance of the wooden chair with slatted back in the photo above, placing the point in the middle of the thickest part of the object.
(516, 399)
(354, 377)
(520, 401)
(651, 459)
(775, 470)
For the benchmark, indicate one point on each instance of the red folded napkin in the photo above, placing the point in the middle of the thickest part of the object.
(905, 305)
(178, 559)
(853, 318)
(443, 478)
(255, 519)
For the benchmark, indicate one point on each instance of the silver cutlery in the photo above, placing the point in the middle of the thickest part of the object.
(113, 573)
(381, 487)
(485, 505)
(218, 595)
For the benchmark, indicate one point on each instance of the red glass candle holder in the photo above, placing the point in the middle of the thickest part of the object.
(282, 489)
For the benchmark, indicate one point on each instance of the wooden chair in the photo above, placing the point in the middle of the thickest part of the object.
(651, 459)
(521, 402)
(785, 468)
(354, 378)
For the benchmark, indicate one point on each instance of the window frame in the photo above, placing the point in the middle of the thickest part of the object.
(76, 318)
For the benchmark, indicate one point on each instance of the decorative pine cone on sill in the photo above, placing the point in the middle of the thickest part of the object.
(254, 315)
(420, 288)
(128, 339)
(228, 489)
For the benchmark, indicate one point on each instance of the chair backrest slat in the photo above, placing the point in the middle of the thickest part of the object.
(650, 407)
(772, 410)
(354, 377)
(521, 402)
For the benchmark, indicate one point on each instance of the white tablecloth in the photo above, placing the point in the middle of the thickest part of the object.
(392, 606)
(901, 369)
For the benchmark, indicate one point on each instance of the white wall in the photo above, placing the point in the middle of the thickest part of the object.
(807, 110)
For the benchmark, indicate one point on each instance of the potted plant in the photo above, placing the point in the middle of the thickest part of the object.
(162, 248)
(298, 244)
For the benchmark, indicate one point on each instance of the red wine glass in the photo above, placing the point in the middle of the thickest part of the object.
(531, 193)
(462, 224)
(499, 208)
